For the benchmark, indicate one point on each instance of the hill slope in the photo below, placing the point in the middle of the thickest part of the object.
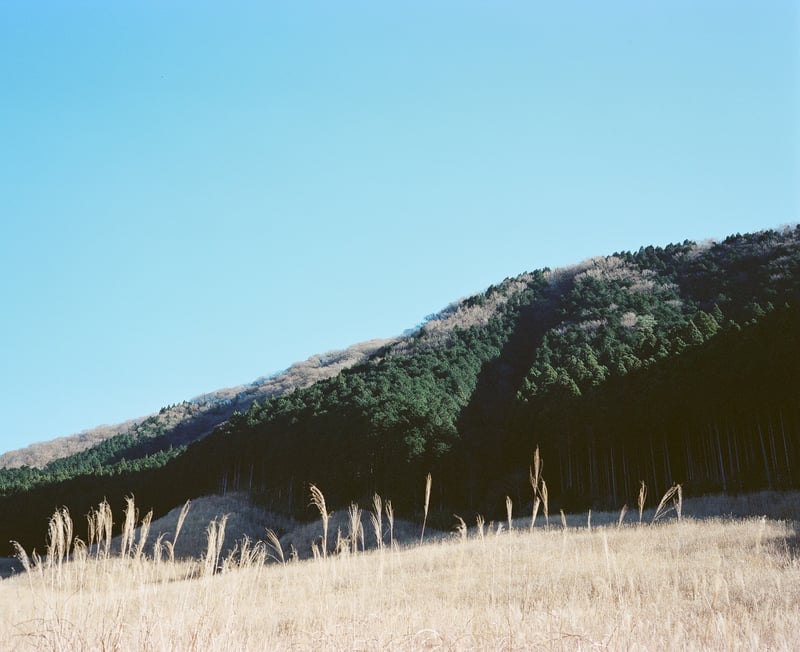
(675, 364)
(182, 423)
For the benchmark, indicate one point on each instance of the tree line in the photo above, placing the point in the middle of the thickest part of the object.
(674, 364)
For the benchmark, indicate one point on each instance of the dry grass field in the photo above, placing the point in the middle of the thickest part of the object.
(698, 583)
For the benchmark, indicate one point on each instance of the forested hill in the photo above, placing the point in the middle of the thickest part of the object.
(174, 425)
(674, 364)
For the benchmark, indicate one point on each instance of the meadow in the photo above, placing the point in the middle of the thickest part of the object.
(631, 581)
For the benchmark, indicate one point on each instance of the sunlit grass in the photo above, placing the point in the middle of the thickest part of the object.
(719, 584)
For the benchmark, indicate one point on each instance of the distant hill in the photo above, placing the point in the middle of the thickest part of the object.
(191, 420)
(667, 364)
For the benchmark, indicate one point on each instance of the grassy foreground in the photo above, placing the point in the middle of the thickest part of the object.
(713, 584)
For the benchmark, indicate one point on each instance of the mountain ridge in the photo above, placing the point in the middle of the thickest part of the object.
(668, 364)
(239, 397)
(461, 311)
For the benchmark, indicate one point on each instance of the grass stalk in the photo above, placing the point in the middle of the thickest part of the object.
(318, 501)
(376, 517)
(128, 527)
(534, 475)
(158, 548)
(181, 518)
(144, 531)
(461, 528)
(674, 492)
(105, 521)
(428, 483)
(390, 518)
(59, 537)
(536, 470)
(215, 533)
(545, 507)
(641, 500)
(275, 544)
(539, 486)
(622, 513)
(356, 529)
(100, 523)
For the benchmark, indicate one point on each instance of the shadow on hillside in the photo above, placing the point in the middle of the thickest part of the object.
(9, 566)
(492, 401)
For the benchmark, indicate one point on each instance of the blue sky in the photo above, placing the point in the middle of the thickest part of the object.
(193, 195)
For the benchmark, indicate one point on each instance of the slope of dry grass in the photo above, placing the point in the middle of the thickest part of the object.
(243, 520)
(718, 584)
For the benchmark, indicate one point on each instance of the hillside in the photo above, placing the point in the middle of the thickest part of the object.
(185, 422)
(674, 364)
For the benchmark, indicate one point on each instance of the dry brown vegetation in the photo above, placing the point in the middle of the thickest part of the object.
(599, 581)
(39, 454)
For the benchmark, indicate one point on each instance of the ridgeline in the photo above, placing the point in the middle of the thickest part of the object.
(675, 364)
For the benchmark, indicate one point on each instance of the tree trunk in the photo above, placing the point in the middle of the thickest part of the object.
(764, 453)
(785, 448)
(721, 463)
(613, 476)
(653, 461)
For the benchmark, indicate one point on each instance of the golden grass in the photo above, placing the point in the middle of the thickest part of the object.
(184, 530)
(690, 584)
(428, 482)
(318, 501)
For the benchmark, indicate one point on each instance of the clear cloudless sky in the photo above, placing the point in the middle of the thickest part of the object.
(196, 194)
